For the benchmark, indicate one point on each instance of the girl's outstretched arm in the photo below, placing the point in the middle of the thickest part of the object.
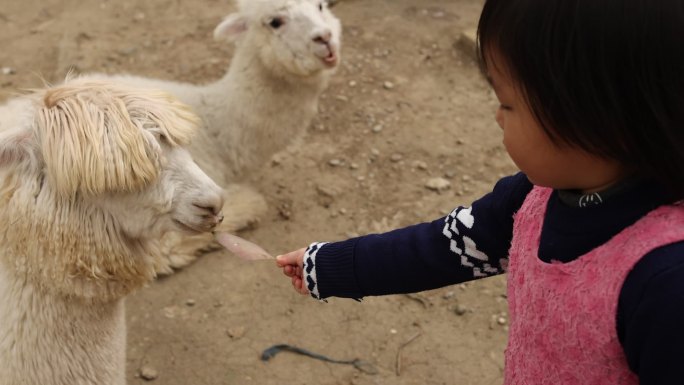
(469, 243)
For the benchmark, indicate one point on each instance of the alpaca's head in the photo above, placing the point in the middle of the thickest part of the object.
(94, 178)
(300, 37)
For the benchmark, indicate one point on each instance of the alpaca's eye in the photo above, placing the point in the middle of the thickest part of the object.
(276, 23)
(320, 6)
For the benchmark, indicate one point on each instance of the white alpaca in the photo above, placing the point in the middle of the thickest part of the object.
(286, 51)
(92, 174)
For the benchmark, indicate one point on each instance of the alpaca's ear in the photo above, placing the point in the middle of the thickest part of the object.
(231, 28)
(16, 145)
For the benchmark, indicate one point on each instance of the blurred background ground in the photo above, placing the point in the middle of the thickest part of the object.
(406, 106)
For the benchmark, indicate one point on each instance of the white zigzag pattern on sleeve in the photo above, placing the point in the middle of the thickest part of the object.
(464, 246)
(309, 277)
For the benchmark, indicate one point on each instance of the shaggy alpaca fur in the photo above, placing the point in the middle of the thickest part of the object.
(92, 174)
(286, 51)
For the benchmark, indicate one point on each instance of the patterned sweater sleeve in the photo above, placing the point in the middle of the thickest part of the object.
(469, 243)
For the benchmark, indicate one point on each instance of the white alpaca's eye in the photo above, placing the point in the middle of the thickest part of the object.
(320, 6)
(159, 136)
(276, 22)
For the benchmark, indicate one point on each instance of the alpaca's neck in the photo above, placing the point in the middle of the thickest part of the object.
(257, 111)
(56, 340)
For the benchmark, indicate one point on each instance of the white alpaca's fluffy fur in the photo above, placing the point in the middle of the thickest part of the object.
(92, 175)
(286, 50)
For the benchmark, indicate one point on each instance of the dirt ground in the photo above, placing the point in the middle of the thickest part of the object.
(407, 105)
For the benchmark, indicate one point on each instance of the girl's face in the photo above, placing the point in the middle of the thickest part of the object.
(545, 163)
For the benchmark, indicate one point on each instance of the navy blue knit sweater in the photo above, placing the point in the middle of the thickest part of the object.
(650, 315)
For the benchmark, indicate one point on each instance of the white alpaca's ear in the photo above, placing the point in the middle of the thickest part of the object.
(16, 146)
(231, 28)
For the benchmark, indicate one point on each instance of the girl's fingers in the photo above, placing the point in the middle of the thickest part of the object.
(298, 285)
(289, 270)
(291, 258)
(291, 263)
(292, 271)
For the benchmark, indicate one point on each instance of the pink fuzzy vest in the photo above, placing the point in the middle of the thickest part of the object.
(563, 316)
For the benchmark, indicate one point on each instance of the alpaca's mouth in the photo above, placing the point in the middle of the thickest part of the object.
(331, 59)
(207, 223)
(188, 228)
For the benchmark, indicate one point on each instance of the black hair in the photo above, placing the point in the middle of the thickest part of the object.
(605, 76)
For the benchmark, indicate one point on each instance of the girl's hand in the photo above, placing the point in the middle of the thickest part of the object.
(292, 264)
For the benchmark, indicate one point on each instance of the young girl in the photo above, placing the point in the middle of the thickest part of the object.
(591, 232)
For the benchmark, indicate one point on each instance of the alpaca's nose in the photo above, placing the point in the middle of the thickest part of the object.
(211, 211)
(212, 205)
(323, 37)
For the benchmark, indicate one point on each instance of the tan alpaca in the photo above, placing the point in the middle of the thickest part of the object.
(92, 175)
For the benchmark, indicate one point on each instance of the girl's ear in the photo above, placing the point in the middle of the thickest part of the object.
(231, 28)
(16, 145)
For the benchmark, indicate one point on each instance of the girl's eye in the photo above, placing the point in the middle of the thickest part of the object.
(504, 107)
(276, 23)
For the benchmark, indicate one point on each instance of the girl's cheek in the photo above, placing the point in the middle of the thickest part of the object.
(500, 118)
